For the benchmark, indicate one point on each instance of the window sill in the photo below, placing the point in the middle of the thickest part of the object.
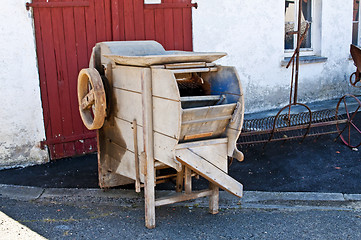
(305, 60)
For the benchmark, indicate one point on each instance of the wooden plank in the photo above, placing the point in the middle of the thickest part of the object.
(187, 180)
(217, 128)
(128, 78)
(82, 53)
(51, 77)
(129, 20)
(164, 150)
(149, 24)
(208, 112)
(100, 20)
(115, 20)
(56, 4)
(159, 26)
(136, 158)
(168, 27)
(187, 29)
(72, 66)
(197, 135)
(194, 70)
(179, 180)
(182, 197)
(213, 199)
(201, 143)
(210, 172)
(63, 78)
(167, 117)
(147, 110)
(107, 174)
(108, 20)
(122, 134)
(165, 84)
(128, 105)
(139, 19)
(90, 27)
(178, 27)
(42, 76)
(215, 154)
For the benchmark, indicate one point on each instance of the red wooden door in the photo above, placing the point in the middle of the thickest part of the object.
(67, 30)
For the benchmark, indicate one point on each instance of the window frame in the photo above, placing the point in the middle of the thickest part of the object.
(358, 27)
(315, 30)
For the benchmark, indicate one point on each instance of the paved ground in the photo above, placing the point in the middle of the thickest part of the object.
(321, 165)
(57, 209)
(56, 220)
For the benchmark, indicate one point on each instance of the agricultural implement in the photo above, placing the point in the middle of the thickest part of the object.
(297, 120)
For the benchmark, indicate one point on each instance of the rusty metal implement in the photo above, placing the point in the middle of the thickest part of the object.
(297, 121)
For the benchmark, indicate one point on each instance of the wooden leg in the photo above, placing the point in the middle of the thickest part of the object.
(149, 195)
(188, 180)
(213, 199)
(179, 181)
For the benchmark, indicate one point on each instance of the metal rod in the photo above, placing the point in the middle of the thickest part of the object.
(298, 51)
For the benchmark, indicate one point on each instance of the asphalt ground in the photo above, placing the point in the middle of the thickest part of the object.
(316, 165)
(88, 220)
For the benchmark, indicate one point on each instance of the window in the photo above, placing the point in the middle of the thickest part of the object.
(152, 1)
(355, 22)
(291, 22)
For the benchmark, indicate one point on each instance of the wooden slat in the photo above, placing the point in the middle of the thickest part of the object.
(178, 27)
(72, 66)
(214, 199)
(51, 78)
(42, 75)
(100, 20)
(210, 172)
(115, 19)
(149, 24)
(91, 35)
(202, 143)
(187, 29)
(159, 26)
(82, 53)
(169, 27)
(182, 197)
(139, 19)
(108, 20)
(129, 20)
(56, 4)
(63, 78)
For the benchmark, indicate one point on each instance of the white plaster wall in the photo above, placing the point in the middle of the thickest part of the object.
(21, 117)
(251, 32)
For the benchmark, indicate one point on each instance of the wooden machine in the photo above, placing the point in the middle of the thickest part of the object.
(162, 115)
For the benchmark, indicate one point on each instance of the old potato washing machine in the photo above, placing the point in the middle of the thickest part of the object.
(160, 110)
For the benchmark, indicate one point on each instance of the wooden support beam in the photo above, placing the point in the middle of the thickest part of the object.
(179, 181)
(182, 197)
(213, 198)
(149, 182)
(137, 174)
(188, 180)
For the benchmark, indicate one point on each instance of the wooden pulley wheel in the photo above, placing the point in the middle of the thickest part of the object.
(91, 98)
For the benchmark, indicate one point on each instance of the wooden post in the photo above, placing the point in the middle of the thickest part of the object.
(136, 158)
(179, 181)
(149, 181)
(213, 199)
(188, 180)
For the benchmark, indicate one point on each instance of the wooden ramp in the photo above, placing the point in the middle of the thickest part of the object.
(209, 171)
